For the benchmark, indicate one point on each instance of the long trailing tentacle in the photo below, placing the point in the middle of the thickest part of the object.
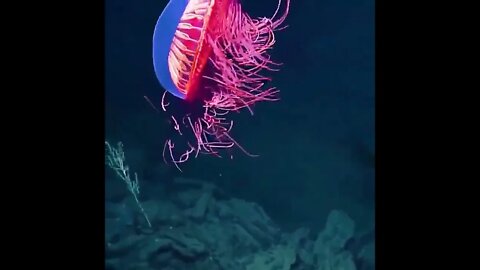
(239, 57)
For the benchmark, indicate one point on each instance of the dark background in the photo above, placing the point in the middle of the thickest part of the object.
(316, 144)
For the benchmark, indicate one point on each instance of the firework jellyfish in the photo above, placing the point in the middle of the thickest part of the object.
(211, 56)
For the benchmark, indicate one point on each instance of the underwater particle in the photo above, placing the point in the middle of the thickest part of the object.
(211, 55)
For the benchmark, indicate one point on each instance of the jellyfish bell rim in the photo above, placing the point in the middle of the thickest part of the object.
(162, 39)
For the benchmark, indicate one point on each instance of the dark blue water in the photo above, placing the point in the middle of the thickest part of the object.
(316, 144)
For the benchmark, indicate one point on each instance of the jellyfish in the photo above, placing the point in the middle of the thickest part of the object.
(211, 57)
